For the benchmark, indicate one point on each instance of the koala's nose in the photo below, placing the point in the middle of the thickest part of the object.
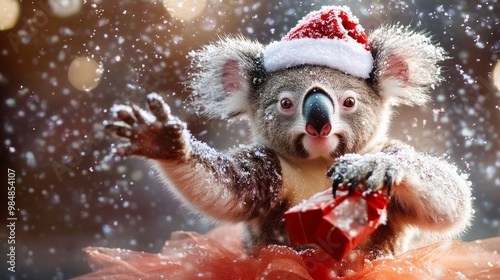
(318, 110)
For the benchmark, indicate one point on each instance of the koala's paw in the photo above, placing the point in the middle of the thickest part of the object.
(153, 133)
(366, 172)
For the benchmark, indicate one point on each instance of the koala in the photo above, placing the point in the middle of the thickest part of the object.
(314, 126)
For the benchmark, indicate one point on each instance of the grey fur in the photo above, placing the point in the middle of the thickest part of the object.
(208, 94)
(420, 54)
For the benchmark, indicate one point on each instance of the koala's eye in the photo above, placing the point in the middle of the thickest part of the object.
(286, 103)
(349, 102)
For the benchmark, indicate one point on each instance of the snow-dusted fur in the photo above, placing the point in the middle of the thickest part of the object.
(406, 64)
(213, 80)
(288, 163)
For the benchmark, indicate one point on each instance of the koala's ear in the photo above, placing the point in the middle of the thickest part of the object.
(406, 64)
(223, 76)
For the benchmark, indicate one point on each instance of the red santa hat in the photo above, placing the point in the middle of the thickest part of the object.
(329, 37)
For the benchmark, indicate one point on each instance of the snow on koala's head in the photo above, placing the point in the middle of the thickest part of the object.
(324, 90)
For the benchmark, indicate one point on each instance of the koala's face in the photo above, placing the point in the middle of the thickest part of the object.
(311, 112)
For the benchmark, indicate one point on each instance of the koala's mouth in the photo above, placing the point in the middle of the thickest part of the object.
(329, 147)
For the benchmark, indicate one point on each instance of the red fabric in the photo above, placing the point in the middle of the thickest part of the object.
(219, 255)
(332, 23)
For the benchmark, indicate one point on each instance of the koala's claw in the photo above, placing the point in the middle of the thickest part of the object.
(388, 182)
(354, 185)
(153, 133)
(335, 186)
(366, 172)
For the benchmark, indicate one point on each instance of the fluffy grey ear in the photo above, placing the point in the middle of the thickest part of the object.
(223, 76)
(406, 64)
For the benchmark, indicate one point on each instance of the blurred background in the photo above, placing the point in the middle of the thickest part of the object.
(63, 63)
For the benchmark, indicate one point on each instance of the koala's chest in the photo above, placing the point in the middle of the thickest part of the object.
(303, 179)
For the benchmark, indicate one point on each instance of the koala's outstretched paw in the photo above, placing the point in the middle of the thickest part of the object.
(366, 172)
(154, 133)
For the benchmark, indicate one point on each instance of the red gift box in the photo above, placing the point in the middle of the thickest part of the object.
(303, 219)
(336, 225)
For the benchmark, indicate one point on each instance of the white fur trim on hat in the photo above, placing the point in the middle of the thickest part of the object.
(345, 55)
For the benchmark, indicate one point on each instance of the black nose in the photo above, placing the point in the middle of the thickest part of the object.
(318, 109)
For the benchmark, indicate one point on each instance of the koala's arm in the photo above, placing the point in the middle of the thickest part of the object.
(429, 191)
(222, 185)
(425, 191)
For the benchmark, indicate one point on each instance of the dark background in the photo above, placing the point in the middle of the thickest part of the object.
(71, 194)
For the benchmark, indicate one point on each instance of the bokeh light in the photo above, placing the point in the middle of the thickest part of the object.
(65, 8)
(9, 13)
(185, 9)
(84, 73)
(495, 75)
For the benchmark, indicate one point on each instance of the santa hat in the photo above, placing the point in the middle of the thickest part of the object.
(329, 37)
